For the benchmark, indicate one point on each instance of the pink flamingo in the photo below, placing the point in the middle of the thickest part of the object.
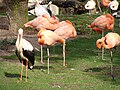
(43, 21)
(105, 3)
(49, 38)
(111, 40)
(66, 30)
(102, 23)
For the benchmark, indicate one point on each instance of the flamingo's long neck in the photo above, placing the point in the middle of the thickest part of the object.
(105, 45)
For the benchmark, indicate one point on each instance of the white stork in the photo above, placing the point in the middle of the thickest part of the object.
(40, 10)
(25, 53)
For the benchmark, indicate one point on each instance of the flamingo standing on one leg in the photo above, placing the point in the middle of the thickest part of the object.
(49, 38)
(111, 40)
(102, 23)
(66, 30)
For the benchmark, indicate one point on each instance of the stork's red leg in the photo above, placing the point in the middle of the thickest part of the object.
(21, 71)
(26, 70)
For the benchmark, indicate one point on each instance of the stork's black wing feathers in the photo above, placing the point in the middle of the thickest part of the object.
(30, 55)
(20, 58)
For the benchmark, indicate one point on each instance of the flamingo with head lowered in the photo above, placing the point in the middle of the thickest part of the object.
(44, 21)
(111, 40)
(66, 30)
(101, 24)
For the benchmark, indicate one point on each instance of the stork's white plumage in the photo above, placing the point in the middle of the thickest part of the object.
(39, 9)
(25, 52)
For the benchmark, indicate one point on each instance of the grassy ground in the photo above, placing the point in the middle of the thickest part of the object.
(84, 70)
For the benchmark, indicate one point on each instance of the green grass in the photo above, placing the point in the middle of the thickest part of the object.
(80, 22)
(84, 70)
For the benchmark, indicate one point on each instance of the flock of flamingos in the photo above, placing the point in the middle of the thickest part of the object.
(51, 31)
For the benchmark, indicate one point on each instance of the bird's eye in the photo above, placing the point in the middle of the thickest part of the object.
(100, 42)
(113, 6)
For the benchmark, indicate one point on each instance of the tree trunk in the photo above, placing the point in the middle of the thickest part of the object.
(17, 11)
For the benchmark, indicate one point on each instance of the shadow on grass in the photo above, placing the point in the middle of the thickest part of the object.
(104, 74)
(9, 75)
(41, 67)
(96, 69)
